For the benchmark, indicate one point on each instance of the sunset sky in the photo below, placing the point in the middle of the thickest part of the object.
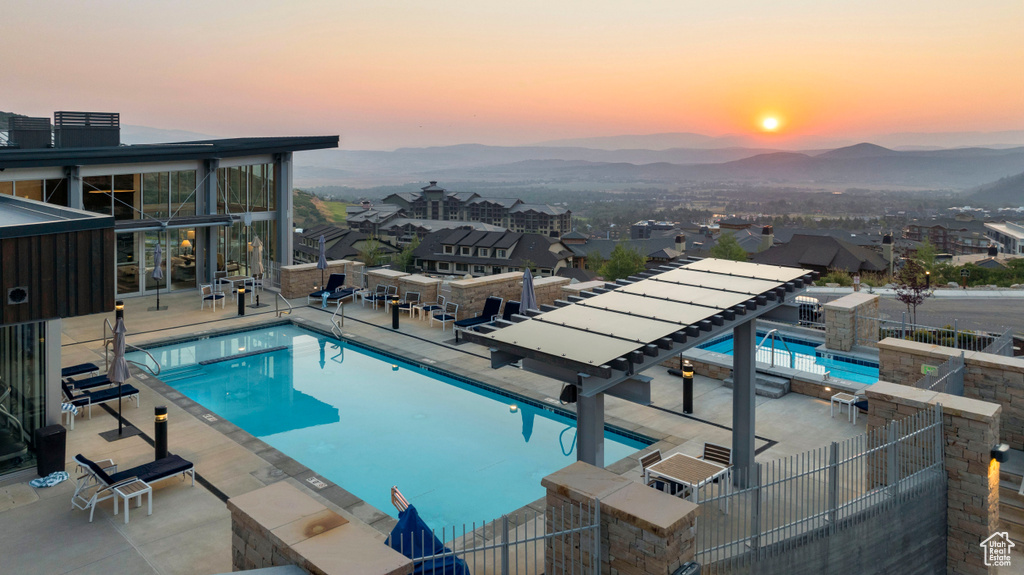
(392, 73)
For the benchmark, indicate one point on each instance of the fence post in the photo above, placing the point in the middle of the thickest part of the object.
(595, 553)
(833, 484)
(890, 464)
(504, 543)
(956, 336)
(903, 326)
(755, 510)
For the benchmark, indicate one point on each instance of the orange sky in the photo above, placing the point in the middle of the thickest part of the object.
(394, 73)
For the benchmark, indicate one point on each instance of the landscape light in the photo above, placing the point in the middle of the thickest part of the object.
(687, 369)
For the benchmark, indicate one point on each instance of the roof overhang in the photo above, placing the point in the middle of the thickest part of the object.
(21, 217)
(609, 335)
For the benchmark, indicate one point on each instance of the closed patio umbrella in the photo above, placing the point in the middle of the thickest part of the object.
(118, 372)
(321, 264)
(257, 256)
(528, 300)
(158, 273)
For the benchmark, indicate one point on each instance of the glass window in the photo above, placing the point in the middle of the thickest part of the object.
(97, 195)
(461, 267)
(156, 194)
(7, 188)
(183, 193)
(22, 391)
(443, 266)
(31, 189)
(57, 191)
(127, 197)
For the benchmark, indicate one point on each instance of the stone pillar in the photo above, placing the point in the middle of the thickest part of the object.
(843, 327)
(970, 428)
(427, 287)
(643, 531)
(744, 372)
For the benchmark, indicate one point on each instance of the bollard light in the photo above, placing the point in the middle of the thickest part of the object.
(927, 280)
(687, 387)
(394, 313)
(241, 300)
(160, 431)
(119, 309)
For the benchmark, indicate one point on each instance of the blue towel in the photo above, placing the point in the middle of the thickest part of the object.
(50, 480)
(65, 407)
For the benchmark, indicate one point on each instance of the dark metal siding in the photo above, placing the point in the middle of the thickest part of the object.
(67, 275)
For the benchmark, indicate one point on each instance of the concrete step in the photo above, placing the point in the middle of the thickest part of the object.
(1010, 476)
(767, 385)
(1012, 519)
(1015, 531)
(1009, 495)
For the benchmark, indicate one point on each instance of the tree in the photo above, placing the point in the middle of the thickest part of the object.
(926, 253)
(727, 248)
(625, 261)
(371, 253)
(405, 260)
(911, 288)
(595, 261)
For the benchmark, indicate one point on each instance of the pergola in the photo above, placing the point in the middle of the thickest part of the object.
(603, 339)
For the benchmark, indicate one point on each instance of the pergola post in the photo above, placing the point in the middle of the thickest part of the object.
(590, 429)
(744, 372)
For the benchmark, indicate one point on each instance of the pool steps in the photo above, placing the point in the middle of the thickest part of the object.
(767, 385)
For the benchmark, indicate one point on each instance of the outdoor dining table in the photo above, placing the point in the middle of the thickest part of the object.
(240, 280)
(685, 470)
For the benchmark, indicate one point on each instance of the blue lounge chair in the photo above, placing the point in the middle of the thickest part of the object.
(80, 369)
(106, 478)
(413, 538)
(334, 283)
(91, 398)
(491, 308)
(89, 382)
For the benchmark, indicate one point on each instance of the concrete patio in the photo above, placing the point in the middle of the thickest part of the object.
(189, 531)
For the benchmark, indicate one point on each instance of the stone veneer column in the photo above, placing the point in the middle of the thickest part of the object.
(643, 531)
(843, 329)
(970, 430)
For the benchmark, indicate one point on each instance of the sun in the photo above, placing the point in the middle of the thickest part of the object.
(770, 124)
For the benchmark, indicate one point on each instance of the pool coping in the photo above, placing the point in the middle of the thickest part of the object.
(336, 494)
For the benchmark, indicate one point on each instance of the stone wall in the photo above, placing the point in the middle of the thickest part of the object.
(427, 287)
(280, 525)
(995, 378)
(302, 279)
(643, 530)
(470, 294)
(970, 430)
(383, 276)
(843, 329)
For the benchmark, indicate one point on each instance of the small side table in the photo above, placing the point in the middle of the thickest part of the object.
(847, 400)
(135, 489)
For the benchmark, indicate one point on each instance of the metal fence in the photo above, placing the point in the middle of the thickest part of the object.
(1002, 345)
(563, 540)
(947, 377)
(954, 334)
(801, 501)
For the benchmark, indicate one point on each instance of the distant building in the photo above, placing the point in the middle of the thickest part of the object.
(821, 254)
(342, 244)
(1008, 235)
(949, 235)
(436, 203)
(643, 229)
(657, 250)
(461, 252)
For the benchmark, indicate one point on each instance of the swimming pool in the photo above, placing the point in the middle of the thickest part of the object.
(804, 357)
(459, 452)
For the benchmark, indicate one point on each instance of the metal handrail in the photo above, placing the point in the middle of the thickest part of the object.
(277, 305)
(335, 326)
(142, 365)
(770, 334)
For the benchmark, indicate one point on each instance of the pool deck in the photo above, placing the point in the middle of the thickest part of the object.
(189, 531)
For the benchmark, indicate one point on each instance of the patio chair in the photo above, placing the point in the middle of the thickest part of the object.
(103, 480)
(657, 482)
(334, 283)
(389, 293)
(210, 295)
(411, 300)
(491, 308)
(80, 369)
(429, 308)
(722, 456)
(451, 311)
(91, 398)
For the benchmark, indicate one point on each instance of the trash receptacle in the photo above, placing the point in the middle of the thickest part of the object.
(51, 442)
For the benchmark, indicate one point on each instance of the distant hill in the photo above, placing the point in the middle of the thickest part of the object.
(864, 150)
(1005, 192)
(653, 142)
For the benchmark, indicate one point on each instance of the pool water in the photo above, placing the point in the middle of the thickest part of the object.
(803, 355)
(458, 452)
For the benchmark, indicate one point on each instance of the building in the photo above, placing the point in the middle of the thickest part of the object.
(658, 250)
(461, 252)
(341, 244)
(643, 229)
(81, 216)
(1008, 235)
(950, 235)
(821, 254)
(436, 203)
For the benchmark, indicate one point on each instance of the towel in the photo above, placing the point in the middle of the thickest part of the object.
(66, 407)
(50, 480)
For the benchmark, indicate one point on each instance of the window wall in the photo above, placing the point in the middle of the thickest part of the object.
(246, 189)
(53, 191)
(234, 251)
(22, 392)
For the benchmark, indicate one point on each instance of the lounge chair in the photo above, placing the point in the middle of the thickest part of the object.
(451, 311)
(512, 307)
(80, 369)
(430, 307)
(334, 283)
(89, 382)
(91, 398)
(106, 478)
(209, 295)
(491, 308)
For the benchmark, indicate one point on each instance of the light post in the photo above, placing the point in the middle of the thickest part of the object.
(160, 431)
(118, 310)
(241, 300)
(394, 313)
(687, 369)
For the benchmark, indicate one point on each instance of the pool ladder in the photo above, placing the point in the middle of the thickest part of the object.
(772, 335)
(335, 324)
